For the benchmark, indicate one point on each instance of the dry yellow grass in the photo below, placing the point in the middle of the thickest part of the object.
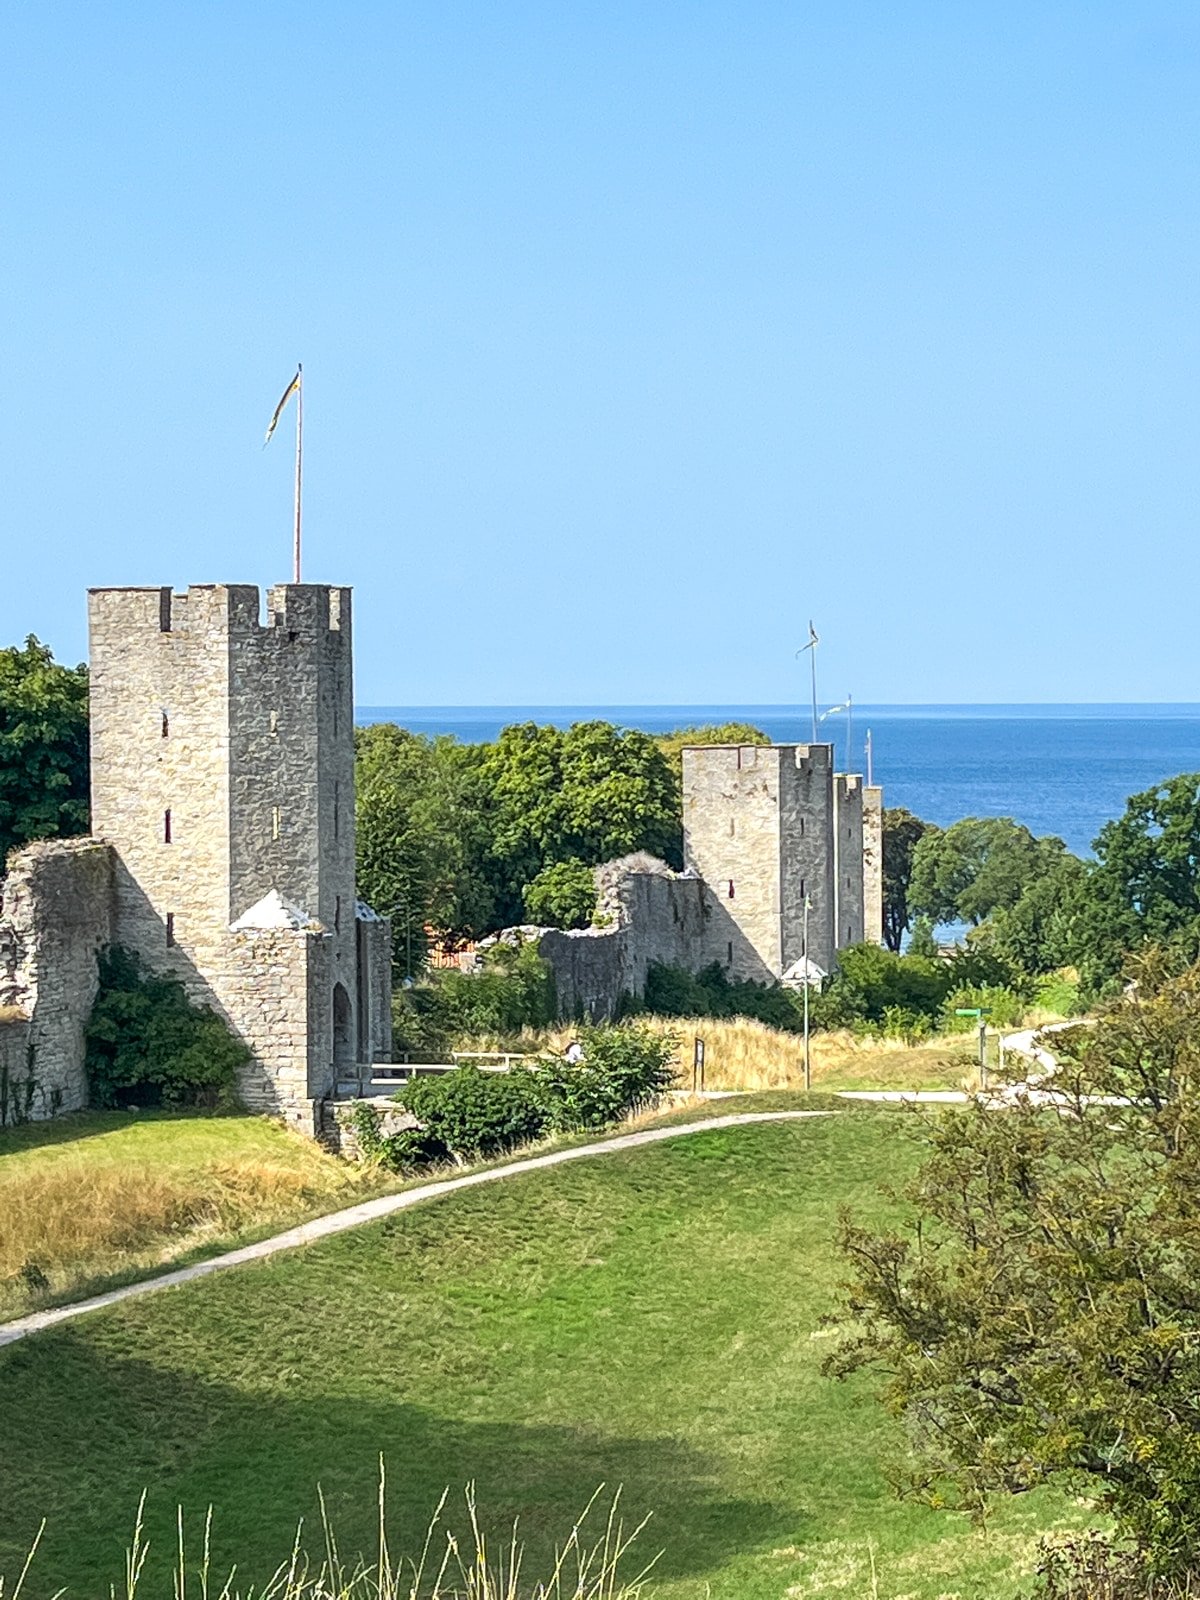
(747, 1056)
(126, 1195)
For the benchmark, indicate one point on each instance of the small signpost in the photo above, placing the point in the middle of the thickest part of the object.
(698, 1066)
(981, 1012)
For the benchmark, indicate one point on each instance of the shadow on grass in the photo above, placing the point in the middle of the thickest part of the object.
(85, 1433)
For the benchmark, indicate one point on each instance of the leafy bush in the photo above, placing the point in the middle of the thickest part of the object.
(870, 981)
(623, 1068)
(147, 1044)
(1006, 1008)
(515, 990)
(563, 895)
(675, 992)
(469, 1115)
(474, 1115)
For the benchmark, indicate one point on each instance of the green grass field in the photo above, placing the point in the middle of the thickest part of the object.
(651, 1318)
(93, 1199)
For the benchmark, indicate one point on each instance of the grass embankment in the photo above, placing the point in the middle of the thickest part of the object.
(92, 1199)
(651, 1318)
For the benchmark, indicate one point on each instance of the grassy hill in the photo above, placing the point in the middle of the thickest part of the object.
(106, 1195)
(651, 1318)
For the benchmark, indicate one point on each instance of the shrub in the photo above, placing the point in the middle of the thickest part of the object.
(473, 1114)
(623, 1068)
(515, 990)
(147, 1044)
(1006, 1008)
(563, 895)
(870, 981)
(675, 992)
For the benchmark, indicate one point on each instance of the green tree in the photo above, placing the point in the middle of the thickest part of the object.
(671, 744)
(1037, 1317)
(563, 895)
(977, 866)
(1035, 934)
(423, 837)
(590, 793)
(902, 832)
(1145, 886)
(43, 747)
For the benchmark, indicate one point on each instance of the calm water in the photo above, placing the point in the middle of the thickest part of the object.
(1058, 769)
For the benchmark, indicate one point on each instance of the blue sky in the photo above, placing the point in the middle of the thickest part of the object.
(633, 334)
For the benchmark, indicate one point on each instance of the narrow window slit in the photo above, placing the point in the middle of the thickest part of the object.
(167, 826)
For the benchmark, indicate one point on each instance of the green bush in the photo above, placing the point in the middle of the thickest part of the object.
(474, 1115)
(1006, 1007)
(623, 1069)
(870, 981)
(147, 1044)
(515, 990)
(675, 992)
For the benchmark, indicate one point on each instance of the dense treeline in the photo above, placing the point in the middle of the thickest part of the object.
(465, 839)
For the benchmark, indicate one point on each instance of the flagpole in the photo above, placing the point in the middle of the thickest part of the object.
(813, 648)
(299, 469)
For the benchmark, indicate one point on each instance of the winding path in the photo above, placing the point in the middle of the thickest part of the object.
(372, 1210)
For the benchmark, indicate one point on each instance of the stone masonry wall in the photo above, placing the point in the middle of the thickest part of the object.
(55, 917)
(222, 770)
(848, 858)
(806, 852)
(656, 916)
(873, 863)
(757, 824)
(731, 841)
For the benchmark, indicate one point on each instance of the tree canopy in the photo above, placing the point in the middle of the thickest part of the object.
(1038, 1315)
(43, 747)
(977, 866)
(902, 833)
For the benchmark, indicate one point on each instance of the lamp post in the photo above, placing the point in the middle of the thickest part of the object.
(804, 951)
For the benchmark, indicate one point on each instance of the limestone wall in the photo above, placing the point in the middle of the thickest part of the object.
(758, 828)
(655, 915)
(223, 774)
(806, 852)
(55, 916)
(848, 859)
(731, 841)
(873, 863)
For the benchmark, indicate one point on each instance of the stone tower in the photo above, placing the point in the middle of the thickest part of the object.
(873, 863)
(758, 827)
(223, 780)
(848, 870)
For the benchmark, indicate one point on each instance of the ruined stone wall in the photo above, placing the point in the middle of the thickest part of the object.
(873, 863)
(848, 859)
(55, 917)
(655, 915)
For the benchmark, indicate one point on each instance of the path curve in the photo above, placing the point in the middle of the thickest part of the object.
(372, 1210)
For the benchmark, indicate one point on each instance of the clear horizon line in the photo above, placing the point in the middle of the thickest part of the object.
(748, 705)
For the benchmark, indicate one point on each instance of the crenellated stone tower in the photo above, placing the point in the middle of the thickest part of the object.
(223, 780)
(758, 827)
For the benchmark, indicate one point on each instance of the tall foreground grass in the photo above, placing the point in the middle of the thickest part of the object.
(448, 1566)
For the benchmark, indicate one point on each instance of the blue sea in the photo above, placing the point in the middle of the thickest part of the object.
(1061, 769)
